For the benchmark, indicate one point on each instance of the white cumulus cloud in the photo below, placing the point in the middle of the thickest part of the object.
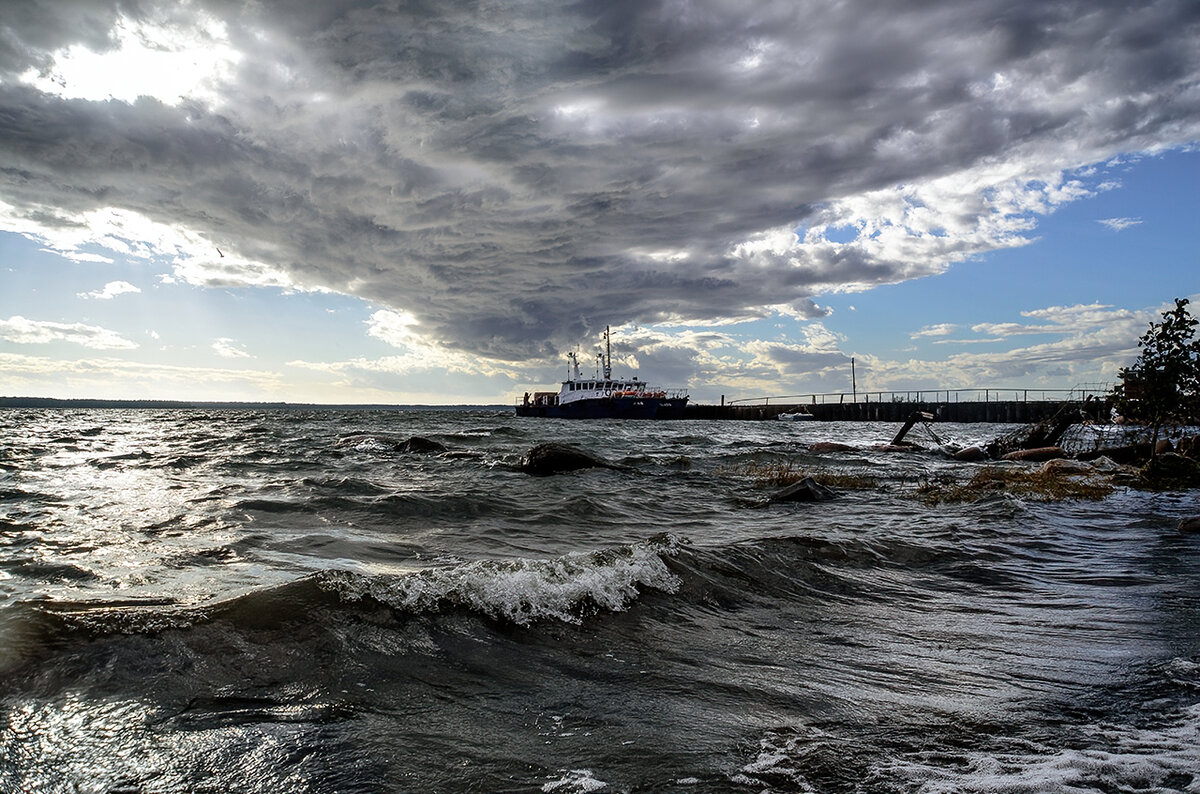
(228, 348)
(21, 330)
(111, 290)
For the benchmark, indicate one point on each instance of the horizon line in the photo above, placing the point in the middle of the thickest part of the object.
(100, 402)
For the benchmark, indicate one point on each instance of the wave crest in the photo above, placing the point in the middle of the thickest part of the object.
(565, 588)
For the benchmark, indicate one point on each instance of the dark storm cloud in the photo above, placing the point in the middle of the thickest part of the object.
(517, 175)
(31, 29)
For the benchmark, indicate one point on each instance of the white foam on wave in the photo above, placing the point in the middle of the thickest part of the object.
(562, 588)
(576, 781)
(782, 758)
(373, 444)
(1118, 758)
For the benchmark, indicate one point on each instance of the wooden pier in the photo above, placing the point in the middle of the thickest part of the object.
(1013, 406)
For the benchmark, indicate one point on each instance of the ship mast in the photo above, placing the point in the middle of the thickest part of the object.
(607, 355)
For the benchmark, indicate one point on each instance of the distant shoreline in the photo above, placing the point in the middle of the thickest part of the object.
(54, 402)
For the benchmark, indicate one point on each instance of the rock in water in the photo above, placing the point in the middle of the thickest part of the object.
(972, 454)
(1038, 455)
(1173, 466)
(830, 446)
(1066, 466)
(1190, 524)
(420, 445)
(807, 490)
(555, 458)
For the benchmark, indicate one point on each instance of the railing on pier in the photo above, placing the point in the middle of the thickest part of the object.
(1003, 405)
(1079, 393)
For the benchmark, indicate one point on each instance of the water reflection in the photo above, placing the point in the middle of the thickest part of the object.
(83, 744)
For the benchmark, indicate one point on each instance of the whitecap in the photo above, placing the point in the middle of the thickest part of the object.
(563, 588)
(1114, 758)
(575, 781)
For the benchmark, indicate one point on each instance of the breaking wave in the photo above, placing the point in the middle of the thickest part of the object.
(521, 591)
(565, 588)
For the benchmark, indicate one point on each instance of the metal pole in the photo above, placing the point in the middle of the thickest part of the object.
(607, 354)
(853, 380)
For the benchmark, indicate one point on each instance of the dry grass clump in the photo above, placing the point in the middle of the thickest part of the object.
(786, 472)
(851, 482)
(1038, 485)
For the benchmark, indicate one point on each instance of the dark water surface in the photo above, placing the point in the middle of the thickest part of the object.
(216, 601)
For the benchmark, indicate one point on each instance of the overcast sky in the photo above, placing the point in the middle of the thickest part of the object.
(435, 202)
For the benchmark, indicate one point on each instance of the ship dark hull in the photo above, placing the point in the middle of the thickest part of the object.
(610, 408)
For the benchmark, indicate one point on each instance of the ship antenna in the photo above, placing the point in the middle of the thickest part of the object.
(607, 355)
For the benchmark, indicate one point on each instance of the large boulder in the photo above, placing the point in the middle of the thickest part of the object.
(1037, 455)
(554, 458)
(807, 490)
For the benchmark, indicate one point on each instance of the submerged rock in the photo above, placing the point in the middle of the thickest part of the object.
(554, 458)
(807, 490)
(374, 443)
(367, 442)
(354, 439)
(1190, 525)
(421, 445)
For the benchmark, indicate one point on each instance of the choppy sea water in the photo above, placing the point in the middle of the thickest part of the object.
(216, 601)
